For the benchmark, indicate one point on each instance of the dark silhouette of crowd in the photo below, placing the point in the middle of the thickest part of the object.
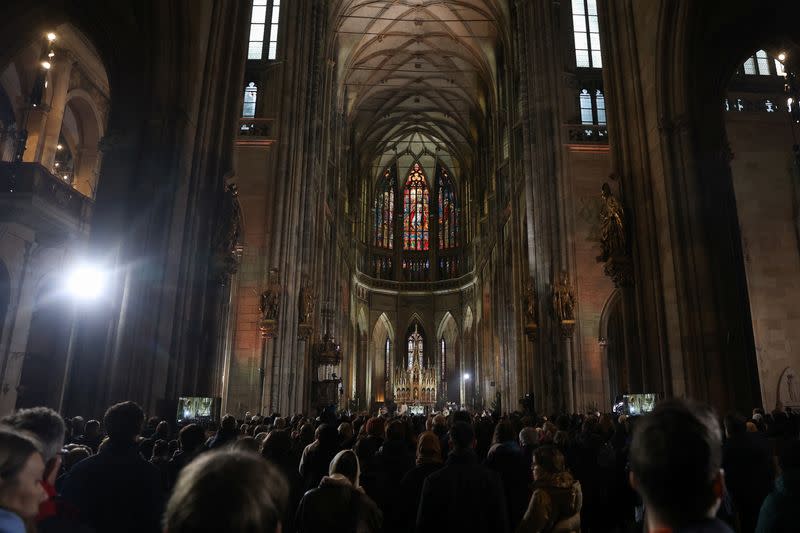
(679, 468)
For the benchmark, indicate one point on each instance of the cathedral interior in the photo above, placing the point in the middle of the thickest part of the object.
(410, 204)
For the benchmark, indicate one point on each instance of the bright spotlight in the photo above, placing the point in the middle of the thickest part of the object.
(51, 37)
(86, 282)
(782, 57)
(46, 65)
(466, 377)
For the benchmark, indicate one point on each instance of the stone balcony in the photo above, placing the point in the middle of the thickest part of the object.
(256, 132)
(30, 195)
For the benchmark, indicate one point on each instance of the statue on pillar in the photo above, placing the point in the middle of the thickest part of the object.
(613, 240)
(269, 305)
(305, 311)
(612, 226)
(529, 303)
(564, 304)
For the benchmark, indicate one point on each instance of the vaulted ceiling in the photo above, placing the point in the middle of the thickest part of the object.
(416, 76)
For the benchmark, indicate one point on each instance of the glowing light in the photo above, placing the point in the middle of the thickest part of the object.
(46, 65)
(782, 56)
(51, 37)
(59, 147)
(66, 177)
(58, 164)
(466, 377)
(86, 282)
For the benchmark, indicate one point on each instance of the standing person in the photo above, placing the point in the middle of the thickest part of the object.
(339, 504)
(676, 459)
(463, 495)
(48, 428)
(779, 510)
(117, 490)
(557, 498)
(429, 460)
(21, 492)
(227, 434)
(191, 438)
(505, 458)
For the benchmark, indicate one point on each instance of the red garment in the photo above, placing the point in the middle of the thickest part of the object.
(48, 508)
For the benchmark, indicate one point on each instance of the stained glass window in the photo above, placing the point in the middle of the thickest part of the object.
(443, 359)
(448, 267)
(384, 210)
(258, 19)
(272, 52)
(448, 212)
(416, 269)
(759, 64)
(587, 34)
(415, 210)
(386, 359)
(383, 267)
(593, 107)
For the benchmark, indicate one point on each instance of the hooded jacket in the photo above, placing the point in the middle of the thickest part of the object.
(555, 505)
(336, 506)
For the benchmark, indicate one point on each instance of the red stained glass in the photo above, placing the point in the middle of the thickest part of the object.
(415, 211)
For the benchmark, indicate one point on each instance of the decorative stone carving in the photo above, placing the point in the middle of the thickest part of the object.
(789, 388)
(305, 311)
(269, 306)
(613, 240)
(564, 304)
(529, 302)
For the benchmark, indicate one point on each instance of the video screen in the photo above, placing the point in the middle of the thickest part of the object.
(197, 409)
(639, 404)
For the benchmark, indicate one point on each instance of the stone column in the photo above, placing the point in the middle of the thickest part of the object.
(60, 74)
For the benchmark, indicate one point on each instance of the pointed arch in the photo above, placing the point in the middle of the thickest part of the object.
(382, 349)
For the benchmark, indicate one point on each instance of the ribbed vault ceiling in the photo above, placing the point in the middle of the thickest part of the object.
(416, 76)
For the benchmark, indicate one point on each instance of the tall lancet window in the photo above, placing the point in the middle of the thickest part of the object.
(386, 358)
(415, 210)
(448, 211)
(415, 349)
(587, 34)
(250, 98)
(258, 20)
(384, 210)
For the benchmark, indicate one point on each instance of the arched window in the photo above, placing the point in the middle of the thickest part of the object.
(250, 98)
(415, 347)
(384, 210)
(386, 358)
(448, 211)
(759, 65)
(263, 9)
(587, 34)
(593, 107)
(415, 211)
(443, 358)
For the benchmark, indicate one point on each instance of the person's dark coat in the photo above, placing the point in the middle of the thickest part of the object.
(115, 491)
(337, 507)
(462, 496)
(747, 462)
(318, 458)
(410, 492)
(222, 438)
(779, 510)
(506, 459)
(394, 460)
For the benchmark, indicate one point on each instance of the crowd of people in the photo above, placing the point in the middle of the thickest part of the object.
(678, 468)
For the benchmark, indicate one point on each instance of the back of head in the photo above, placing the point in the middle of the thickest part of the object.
(78, 425)
(278, 446)
(160, 448)
(346, 463)
(462, 436)
(44, 424)
(396, 431)
(91, 428)
(375, 427)
(429, 448)
(228, 424)
(123, 422)
(503, 432)
(15, 449)
(675, 458)
(230, 491)
(328, 436)
(246, 444)
(345, 430)
(191, 437)
(735, 424)
(549, 458)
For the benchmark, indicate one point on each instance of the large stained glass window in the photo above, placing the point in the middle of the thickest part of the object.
(415, 347)
(384, 210)
(415, 210)
(448, 212)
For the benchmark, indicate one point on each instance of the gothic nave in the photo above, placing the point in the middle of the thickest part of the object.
(398, 203)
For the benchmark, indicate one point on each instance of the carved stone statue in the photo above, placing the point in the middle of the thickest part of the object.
(529, 300)
(306, 304)
(612, 226)
(270, 302)
(564, 299)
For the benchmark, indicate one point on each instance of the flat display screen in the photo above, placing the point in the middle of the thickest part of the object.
(639, 404)
(197, 408)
